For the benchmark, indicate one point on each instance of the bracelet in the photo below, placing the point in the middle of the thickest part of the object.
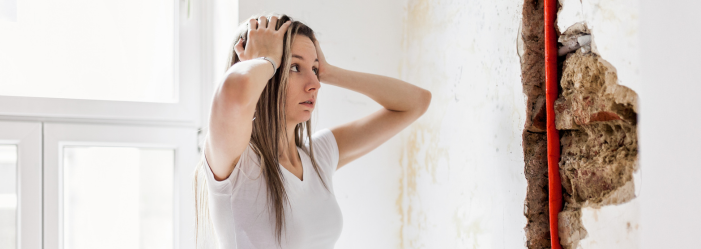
(272, 63)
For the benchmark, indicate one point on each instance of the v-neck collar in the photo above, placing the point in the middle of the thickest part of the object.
(304, 169)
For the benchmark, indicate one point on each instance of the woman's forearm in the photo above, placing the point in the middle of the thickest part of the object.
(391, 93)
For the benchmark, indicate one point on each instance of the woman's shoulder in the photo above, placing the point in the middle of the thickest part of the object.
(325, 148)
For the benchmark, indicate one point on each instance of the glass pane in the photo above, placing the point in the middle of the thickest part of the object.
(104, 50)
(117, 197)
(8, 196)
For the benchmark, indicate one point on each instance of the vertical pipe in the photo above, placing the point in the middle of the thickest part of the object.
(554, 185)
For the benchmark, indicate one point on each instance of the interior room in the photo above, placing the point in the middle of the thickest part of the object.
(446, 124)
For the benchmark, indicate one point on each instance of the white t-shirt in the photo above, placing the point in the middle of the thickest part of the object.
(240, 214)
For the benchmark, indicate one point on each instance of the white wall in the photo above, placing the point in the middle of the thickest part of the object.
(669, 133)
(462, 162)
(363, 36)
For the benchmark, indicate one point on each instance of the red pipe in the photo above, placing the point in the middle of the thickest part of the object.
(554, 185)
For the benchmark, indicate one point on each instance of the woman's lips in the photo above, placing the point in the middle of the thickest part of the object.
(309, 103)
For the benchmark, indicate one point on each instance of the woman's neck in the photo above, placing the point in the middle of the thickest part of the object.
(289, 152)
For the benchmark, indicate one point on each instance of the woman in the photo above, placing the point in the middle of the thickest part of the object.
(267, 179)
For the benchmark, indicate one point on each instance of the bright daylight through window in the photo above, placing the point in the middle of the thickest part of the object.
(125, 52)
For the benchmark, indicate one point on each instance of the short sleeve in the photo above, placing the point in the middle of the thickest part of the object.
(326, 150)
(217, 187)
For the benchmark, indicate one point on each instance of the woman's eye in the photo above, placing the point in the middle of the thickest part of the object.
(316, 71)
(294, 68)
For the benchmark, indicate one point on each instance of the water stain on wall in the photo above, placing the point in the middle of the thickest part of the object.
(454, 49)
(422, 140)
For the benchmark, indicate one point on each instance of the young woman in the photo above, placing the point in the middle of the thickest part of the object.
(267, 180)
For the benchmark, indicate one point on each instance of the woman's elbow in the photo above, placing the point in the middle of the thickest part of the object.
(425, 100)
(234, 90)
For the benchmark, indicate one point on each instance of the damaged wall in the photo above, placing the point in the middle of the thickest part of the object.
(462, 183)
(532, 53)
(597, 118)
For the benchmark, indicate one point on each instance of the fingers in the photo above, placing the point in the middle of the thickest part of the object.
(273, 22)
(238, 48)
(252, 24)
(284, 26)
(262, 22)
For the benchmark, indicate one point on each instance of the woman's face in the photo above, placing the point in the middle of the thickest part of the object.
(303, 84)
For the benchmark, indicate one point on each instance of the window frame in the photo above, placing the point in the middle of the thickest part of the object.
(181, 140)
(27, 137)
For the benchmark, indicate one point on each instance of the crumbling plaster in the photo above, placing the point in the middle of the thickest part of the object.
(610, 219)
(614, 28)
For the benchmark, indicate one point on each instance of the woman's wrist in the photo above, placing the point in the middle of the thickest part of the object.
(328, 75)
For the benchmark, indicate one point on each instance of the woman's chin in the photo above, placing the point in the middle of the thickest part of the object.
(301, 118)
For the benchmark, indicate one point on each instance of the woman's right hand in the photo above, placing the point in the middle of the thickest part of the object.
(263, 40)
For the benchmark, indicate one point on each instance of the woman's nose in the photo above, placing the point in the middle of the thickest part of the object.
(313, 83)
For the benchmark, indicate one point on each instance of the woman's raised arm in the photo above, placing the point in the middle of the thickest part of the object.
(235, 98)
(403, 103)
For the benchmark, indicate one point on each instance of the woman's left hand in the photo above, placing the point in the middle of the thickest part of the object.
(324, 66)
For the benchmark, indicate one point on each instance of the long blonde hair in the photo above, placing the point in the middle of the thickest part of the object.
(268, 133)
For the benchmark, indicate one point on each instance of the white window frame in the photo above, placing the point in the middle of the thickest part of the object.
(188, 76)
(183, 140)
(27, 137)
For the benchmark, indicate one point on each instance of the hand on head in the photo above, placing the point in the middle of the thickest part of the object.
(263, 40)
(323, 64)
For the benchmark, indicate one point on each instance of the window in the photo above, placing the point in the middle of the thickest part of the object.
(118, 186)
(109, 61)
(125, 191)
(100, 104)
(102, 50)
